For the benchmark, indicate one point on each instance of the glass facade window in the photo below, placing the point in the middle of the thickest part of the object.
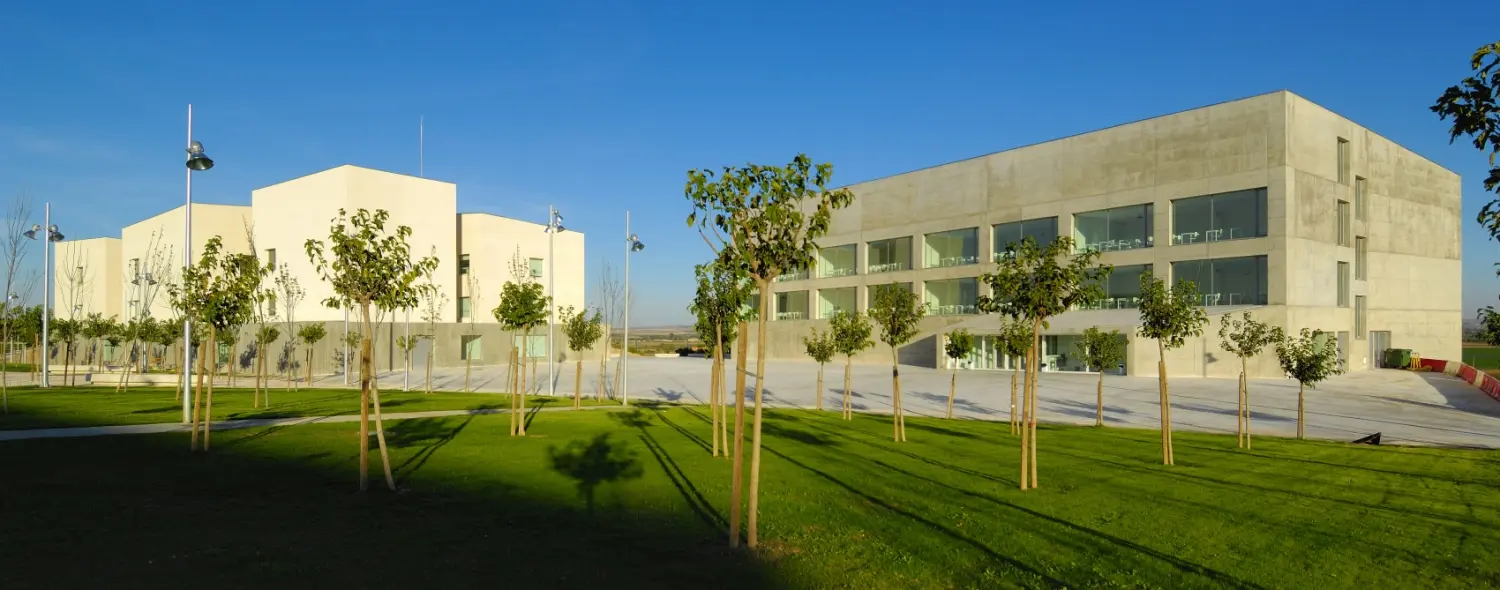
(465, 308)
(1344, 229)
(951, 248)
(1226, 281)
(837, 261)
(1225, 216)
(952, 297)
(1360, 262)
(888, 255)
(1122, 290)
(536, 345)
(1009, 235)
(463, 264)
(1343, 161)
(1361, 200)
(1121, 228)
(469, 347)
(1359, 317)
(795, 275)
(791, 305)
(835, 300)
(1343, 284)
(271, 257)
(536, 266)
(872, 289)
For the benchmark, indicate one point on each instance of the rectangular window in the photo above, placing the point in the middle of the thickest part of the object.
(135, 270)
(1226, 281)
(469, 347)
(1122, 228)
(795, 275)
(1122, 290)
(752, 307)
(1226, 216)
(952, 297)
(536, 267)
(1343, 161)
(1344, 225)
(465, 308)
(1359, 317)
(271, 257)
(1361, 264)
(536, 346)
(951, 248)
(1343, 284)
(463, 264)
(872, 289)
(888, 255)
(837, 261)
(835, 300)
(1009, 235)
(1361, 200)
(791, 305)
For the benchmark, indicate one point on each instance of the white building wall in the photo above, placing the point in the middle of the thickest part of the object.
(492, 241)
(86, 275)
(156, 242)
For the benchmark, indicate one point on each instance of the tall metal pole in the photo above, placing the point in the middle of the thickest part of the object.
(625, 351)
(406, 381)
(346, 346)
(46, 291)
(187, 260)
(552, 304)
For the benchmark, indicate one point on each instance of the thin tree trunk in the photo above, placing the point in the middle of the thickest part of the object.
(1015, 426)
(713, 400)
(468, 366)
(525, 340)
(309, 366)
(1036, 371)
(1301, 431)
(196, 415)
(534, 386)
(1099, 403)
(578, 385)
(820, 387)
(430, 356)
(952, 387)
(1161, 378)
(848, 407)
(5, 367)
(760, 382)
(603, 365)
(1026, 432)
(510, 382)
(291, 353)
(1247, 413)
(385, 457)
(736, 477)
(208, 401)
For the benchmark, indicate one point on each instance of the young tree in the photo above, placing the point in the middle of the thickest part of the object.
(1169, 316)
(267, 334)
(1309, 358)
(64, 331)
(217, 293)
(289, 293)
(719, 305)
(433, 300)
(1014, 342)
(1474, 105)
(473, 292)
(13, 248)
(1031, 284)
(369, 267)
(766, 221)
(958, 344)
(609, 292)
(851, 336)
(820, 348)
(1245, 338)
(229, 339)
(310, 335)
(93, 328)
(523, 306)
(896, 311)
(1101, 351)
(582, 332)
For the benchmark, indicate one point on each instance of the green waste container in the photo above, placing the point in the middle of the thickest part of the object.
(1397, 358)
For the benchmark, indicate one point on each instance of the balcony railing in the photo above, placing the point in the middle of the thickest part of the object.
(796, 276)
(887, 267)
(947, 261)
(1114, 303)
(791, 315)
(829, 273)
(1118, 245)
(955, 309)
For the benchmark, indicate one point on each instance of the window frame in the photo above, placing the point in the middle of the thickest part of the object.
(1344, 156)
(1361, 258)
(1261, 225)
(1361, 199)
(1344, 283)
(1346, 226)
(1361, 307)
(465, 308)
(463, 264)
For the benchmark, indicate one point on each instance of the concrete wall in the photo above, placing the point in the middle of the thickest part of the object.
(492, 241)
(156, 242)
(87, 275)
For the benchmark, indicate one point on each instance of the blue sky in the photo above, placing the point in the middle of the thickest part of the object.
(600, 108)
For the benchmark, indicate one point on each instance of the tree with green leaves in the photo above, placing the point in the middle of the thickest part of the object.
(229, 340)
(267, 334)
(896, 311)
(1030, 285)
(851, 332)
(765, 222)
(719, 306)
(1246, 338)
(432, 300)
(93, 327)
(957, 345)
(289, 293)
(1101, 351)
(582, 331)
(369, 267)
(64, 331)
(217, 293)
(523, 307)
(1310, 358)
(820, 348)
(1474, 106)
(310, 335)
(1014, 342)
(1169, 316)
(406, 344)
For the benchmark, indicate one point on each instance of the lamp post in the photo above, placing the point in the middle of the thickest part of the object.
(197, 161)
(632, 244)
(48, 236)
(554, 226)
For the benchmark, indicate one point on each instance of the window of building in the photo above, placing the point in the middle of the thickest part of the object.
(951, 248)
(1121, 228)
(1343, 161)
(888, 255)
(1343, 284)
(536, 346)
(271, 257)
(795, 275)
(1226, 281)
(536, 267)
(1359, 317)
(465, 308)
(463, 264)
(1344, 225)
(1225, 216)
(871, 290)
(1009, 235)
(752, 307)
(952, 297)
(791, 305)
(469, 347)
(837, 261)
(831, 301)
(1122, 290)
(135, 270)
(1361, 200)
(1360, 262)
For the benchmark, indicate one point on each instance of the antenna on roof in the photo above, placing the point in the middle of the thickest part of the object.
(421, 155)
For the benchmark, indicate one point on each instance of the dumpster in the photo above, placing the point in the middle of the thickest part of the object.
(1397, 358)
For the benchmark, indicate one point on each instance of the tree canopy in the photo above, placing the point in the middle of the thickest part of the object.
(1101, 350)
(1474, 106)
(1170, 316)
(897, 312)
(581, 329)
(851, 332)
(820, 346)
(958, 344)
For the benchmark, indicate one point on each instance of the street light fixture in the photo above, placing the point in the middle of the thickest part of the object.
(554, 227)
(50, 235)
(197, 161)
(632, 244)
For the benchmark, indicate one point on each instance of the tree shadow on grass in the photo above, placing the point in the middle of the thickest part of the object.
(535, 407)
(431, 433)
(594, 463)
(959, 403)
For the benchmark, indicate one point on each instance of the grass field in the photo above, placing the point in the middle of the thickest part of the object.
(632, 499)
(96, 406)
(1484, 358)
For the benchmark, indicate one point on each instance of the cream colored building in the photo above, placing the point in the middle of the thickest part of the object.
(1272, 204)
(87, 275)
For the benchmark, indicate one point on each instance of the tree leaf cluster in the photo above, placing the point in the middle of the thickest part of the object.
(958, 344)
(897, 312)
(582, 329)
(1170, 316)
(820, 346)
(1310, 357)
(1033, 283)
(1101, 350)
(851, 332)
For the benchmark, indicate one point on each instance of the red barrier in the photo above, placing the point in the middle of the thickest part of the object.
(1435, 365)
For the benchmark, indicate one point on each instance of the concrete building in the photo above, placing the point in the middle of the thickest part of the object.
(1272, 204)
(129, 275)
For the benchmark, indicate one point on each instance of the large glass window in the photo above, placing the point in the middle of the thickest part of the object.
(1009, 235)
(1344, 229)
(791, 305)
(1225, 216)
(465, 308)
(872, 289)
(470, 347)
(952, 297)
(1343, 161)
(1122, 290)
(1226, 281)
(1359, 317)
(1121, 228)
(463, 264)
(837, 261)
(795, 275)
(888, 255)
(834, 300)
(1343, 284)
(1361, 200)
(536, 345)
(536, 267)
(1360, 262)
(951, 248)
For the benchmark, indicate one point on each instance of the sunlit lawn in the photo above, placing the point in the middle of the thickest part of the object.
(841, 506)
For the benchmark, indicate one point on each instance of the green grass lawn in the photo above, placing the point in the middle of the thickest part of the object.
(1482, 357)
(95, 406)
(841, 506)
